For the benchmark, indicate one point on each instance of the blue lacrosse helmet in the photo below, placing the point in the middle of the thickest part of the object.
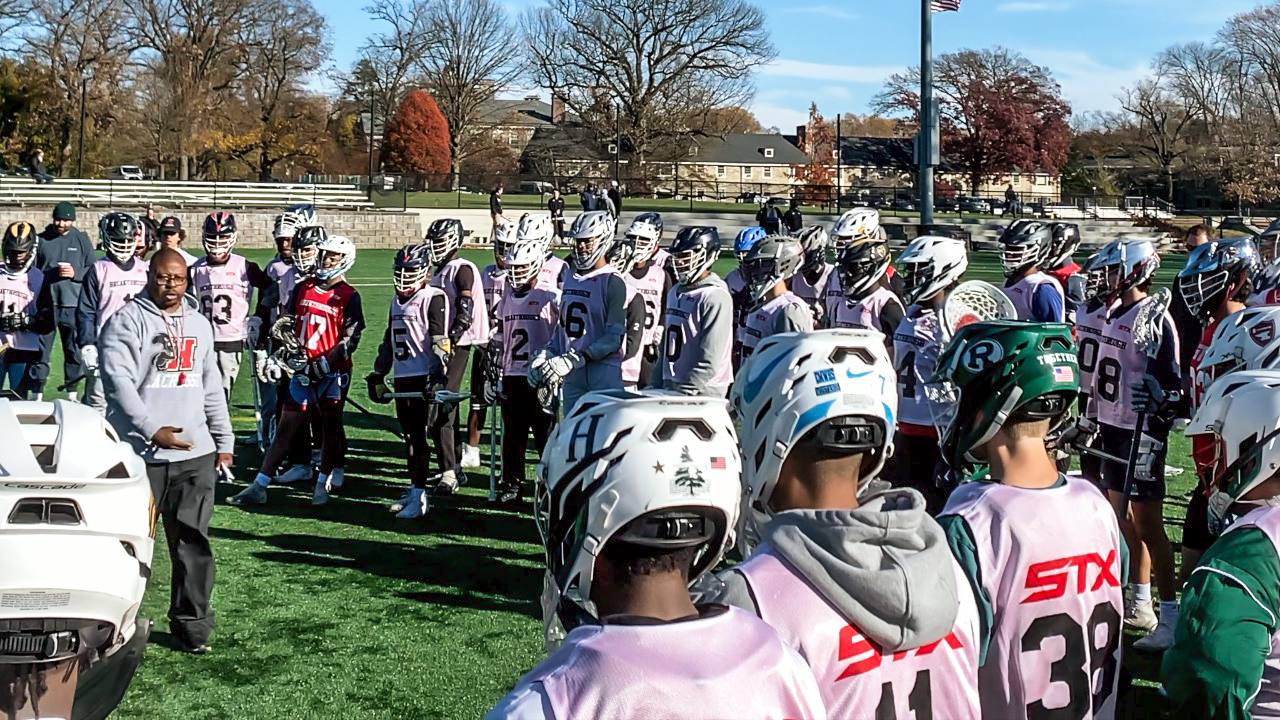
(747, 239)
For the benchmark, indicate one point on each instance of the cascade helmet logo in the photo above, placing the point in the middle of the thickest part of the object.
(981, 355)
(1263, 333)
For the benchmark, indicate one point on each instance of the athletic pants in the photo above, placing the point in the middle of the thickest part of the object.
(183, 492)
(521, 414)
(444, 417)
(66, 330)
(412, 413)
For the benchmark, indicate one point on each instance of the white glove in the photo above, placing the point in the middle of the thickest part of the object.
(538, 367)
(272, 371)
(260, 364)
(254, 330)
(89, 357)
(561, 365)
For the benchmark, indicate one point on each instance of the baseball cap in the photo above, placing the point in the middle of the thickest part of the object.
(170, 224)
(64, 211)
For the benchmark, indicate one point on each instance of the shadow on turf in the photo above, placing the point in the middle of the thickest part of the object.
(486, 578)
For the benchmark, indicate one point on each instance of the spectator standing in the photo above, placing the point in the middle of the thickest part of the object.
(615, 196)
(768, 217)
(38, 171)
(164, 396)
(64, 254)
(556, 206)
(603, 202)
(172, 235)
(152, 225)
(495, 206)
(1011, 204)
(793, 220)
(588, 198)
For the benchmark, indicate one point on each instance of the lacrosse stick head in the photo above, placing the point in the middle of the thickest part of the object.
(548, 394)
(284, 331)
(974, 301)
(1148, 324)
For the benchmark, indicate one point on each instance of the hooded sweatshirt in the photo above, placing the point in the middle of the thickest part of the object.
(871, 598)
(697, 349)
(159, 372)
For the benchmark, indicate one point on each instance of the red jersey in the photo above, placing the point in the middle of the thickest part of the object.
(1200, 381)
(328, 318)
(1063, 273)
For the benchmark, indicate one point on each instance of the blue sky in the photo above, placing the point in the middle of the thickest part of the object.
(838, 53)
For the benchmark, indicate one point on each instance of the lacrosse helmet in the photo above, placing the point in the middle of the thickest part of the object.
(773, 260)
(931, 264)
(814, 241)
(646, 234)
(857, 225)
(1066, 240)
(1024, 244)
(445, 237)
(1127, 263)
(592, 234)
(1235, 437)
(1268, 243)
(118, 232)
(747, 239)
(295, 216)
(860, 264)
(996, 370)
(330, 246)
(693, 252)
(622, 254)
(306, 243)
(1094, 272)
(1245, 340)
(18, 248)
(1216, 272)
(219, 234)
(525, 257)
(652, 471)
(412, 268)
(504, 236)
(823, 389)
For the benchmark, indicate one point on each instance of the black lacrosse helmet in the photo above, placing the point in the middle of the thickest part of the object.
(412, 267)
(19, 247)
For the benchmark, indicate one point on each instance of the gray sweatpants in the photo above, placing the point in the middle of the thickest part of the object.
(229, 366)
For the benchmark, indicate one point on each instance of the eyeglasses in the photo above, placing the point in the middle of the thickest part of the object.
(171, 280)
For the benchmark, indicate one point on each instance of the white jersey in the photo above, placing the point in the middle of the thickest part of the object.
(412, 350)
(785, 313)
(854, 675)
(1266, 704)
(1022, 293)
(812, 293)
(494, 280)
(20, 295)
(1121, 364)
(225, 294)
(729, 665)
(863, 314)
(916, 345)
(526, 322)
(478, 333)
(649, 288)
(1049, 565)
(583, 311)
(1091, 319)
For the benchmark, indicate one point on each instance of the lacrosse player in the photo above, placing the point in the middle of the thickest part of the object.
(1091, 320)
(588, 351)
(737, 285)
(1223, 661)
(527, 317)
(468, 325)
(697, 345)
(1130, 384)
(26, 309)
(1061, 267)
(810, 283)
(651, 281)
(1037, 295)
(869, 300)
(329, 318)
(1266, 280)
(493, 280)
(931, 267)
(621, 257)
(223, 283)
(810, 453)
(415, 349)
(625, 536)
(650, 250)
(1042, 551)
(111, 282)
(768, 268)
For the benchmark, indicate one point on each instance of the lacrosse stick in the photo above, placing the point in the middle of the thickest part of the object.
(257, 414)
(1148, 332)
(439, 397)
(494, 420)
(372, 416)
(974, 301)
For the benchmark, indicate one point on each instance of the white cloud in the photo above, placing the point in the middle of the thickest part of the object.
(1086, 83)
(784, 118)
(783, 67)
(1019, 7)
(827, 11)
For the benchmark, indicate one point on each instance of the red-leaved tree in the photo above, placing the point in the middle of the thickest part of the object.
(417, 138)
(815, 179)
(998, 112)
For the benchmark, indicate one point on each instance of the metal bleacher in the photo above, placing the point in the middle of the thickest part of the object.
(179, 194)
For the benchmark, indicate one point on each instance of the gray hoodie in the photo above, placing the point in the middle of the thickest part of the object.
(142, 367)
(885, 567)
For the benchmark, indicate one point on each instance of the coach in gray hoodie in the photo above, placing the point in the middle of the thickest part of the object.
(164, 396)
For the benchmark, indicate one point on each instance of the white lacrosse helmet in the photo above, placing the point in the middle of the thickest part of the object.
(592, 234)
(1246, 340)
(1235, 435)
(834, 389)
(647, 235)
(504, 236)
(931, 264)
(334, 245)
(526, 255)
(650, 470)
(294, 217)
(856, 225)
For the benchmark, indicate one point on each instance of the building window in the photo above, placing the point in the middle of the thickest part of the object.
(665, 170)
(693, 150)
(719, 171)
(747, 172)
(768, 173)
(768, 152)
(513, 137)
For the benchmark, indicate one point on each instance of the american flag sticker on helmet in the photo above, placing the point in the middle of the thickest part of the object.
(1063, 373)
(717, 463)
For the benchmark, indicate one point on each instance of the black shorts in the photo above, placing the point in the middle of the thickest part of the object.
(479, 366)
(1117, 441)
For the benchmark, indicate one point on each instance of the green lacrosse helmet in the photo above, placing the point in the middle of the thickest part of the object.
(996, 370)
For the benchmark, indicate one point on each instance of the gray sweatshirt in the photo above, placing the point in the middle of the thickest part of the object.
(157, 373)
(886, 567)
(703, 366)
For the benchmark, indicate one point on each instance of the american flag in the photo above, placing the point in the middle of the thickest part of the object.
(717, 463)
(944, 5)
(1062, 373)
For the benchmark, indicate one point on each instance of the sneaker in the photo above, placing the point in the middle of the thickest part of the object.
(470, 456)
(398, 505)
(1140, 616)
(416, 507)
(508, 493)
(296, 473)
(321, 494)
(336, 478)
(316, 454)
(255, 494)
(448, 484)
(1160, 639)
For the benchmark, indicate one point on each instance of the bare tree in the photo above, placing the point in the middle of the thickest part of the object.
(663, 64)
(1164, 124)
(389, 60)
(12, 14)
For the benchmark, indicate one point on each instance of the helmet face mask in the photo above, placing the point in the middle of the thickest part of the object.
(693, 252)
(118, 233)
(412, 269)
(305, 248)
(592, 235)
(861, 265)
(19, 248)
(930, 265)
(1235, 438)
(622, 254)
(444, 237)
(1216, 272)
(219, 235)
(525, 258)
(773, 260)
(335, 256)
(646, 236)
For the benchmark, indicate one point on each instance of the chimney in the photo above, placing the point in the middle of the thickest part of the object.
(802, 139)
(557, 109)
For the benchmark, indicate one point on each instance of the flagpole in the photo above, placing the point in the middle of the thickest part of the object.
(925, 139)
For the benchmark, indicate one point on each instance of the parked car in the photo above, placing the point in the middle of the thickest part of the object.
(536, 187)
(125, 172)
(903, 203)
(976, 206)
(752, 197)
(947, 204)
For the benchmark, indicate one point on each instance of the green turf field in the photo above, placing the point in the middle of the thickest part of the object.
(344, 612)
